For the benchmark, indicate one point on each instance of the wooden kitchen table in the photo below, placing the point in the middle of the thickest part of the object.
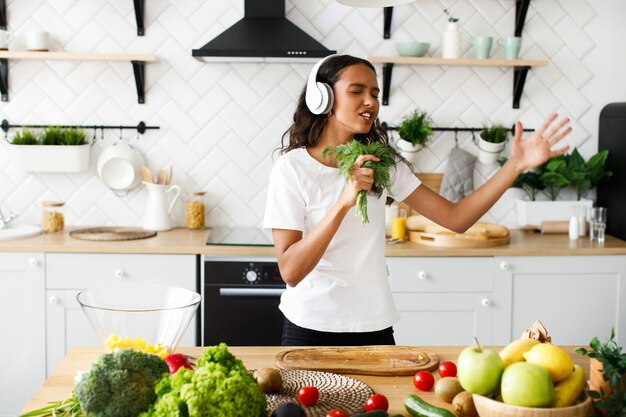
(59, 384)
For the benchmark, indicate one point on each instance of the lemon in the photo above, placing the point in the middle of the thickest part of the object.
(554, 359)
(514, 351)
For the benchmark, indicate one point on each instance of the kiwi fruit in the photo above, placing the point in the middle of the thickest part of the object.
(463, 405)
(269, 379)
(447, 388)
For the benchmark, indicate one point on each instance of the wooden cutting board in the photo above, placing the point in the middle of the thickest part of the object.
(452, 241)
(365, 360)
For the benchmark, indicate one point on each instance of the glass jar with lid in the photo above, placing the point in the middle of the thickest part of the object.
(194, 209)
(52, 217)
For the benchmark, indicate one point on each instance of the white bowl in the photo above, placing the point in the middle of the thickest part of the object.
(119, 167)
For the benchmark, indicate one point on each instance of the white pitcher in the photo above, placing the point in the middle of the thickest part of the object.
(157, 215)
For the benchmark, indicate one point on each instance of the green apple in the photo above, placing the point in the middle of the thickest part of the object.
(479, 370)
(527, 385)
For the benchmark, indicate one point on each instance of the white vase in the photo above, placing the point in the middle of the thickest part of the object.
(488, 152)
(452, 41)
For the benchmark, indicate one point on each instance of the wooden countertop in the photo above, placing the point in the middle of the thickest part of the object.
(185, 241)
(59, 384)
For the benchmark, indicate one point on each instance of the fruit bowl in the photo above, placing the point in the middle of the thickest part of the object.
(487, 407)
(152, 318)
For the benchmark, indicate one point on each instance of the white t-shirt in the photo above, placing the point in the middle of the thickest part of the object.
(348, 290)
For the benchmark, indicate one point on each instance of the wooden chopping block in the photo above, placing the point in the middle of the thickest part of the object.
(479, 230)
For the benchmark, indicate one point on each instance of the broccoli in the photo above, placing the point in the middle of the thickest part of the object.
(220, 386)
(120, 384)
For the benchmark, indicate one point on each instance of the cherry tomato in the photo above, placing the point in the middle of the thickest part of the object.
(336, 413)
(447, 369)
(424, 381)
(175, 361)
(377, 402)
(308, 396)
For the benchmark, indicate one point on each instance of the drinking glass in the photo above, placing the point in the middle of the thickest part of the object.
(597, 221)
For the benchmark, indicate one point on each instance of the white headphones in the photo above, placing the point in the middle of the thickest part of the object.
(319, 97)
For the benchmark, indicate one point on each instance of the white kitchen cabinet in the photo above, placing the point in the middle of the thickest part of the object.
(67, 274)
(448, 301)
(575, 297)
(22, 329)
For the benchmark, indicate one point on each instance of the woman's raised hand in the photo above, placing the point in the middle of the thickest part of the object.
(539, 147)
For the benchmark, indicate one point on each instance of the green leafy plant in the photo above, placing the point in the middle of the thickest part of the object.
(450, 17)
(416, 128)
(52, 136)
(555, 177)
(24, 137)
(73, 136)
(494, 134)
(613, 361)
(529, 181)
(346, 155)
(596, 171)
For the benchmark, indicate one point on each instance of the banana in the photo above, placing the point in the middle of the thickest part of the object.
(567, 391)
(513, 351)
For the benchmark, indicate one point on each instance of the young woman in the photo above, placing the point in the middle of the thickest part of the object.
(337, 286)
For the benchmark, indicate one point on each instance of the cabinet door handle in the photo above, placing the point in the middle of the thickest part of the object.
(422, 275)
(53, 300)
(119, 273)
(504, 265)
(485, 302)
(33, 262)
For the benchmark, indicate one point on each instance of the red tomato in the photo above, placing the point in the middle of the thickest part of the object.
(336, 413)
(447, 369)
(308, 396)
(175, 361)
(377, 402)
(423, 380)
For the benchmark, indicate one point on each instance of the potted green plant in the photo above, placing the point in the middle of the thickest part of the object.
(565, 172)
(607, 373)
(414, 131)
(529, 181)
(55, 150)
(491, 142)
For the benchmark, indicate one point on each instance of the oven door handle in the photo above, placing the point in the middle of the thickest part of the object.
(251, 292)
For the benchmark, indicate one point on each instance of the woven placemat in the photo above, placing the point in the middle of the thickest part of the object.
(336, 391)
(112, 233)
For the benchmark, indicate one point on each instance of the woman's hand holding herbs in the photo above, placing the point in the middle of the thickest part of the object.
(537, 149)
(359, 179)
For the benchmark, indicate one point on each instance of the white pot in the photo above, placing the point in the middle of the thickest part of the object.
(533, 213)
(408, 150)
(52, 158)
(488, 152)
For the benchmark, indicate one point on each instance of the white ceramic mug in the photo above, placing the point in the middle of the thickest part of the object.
(37, 41)
(5, 38)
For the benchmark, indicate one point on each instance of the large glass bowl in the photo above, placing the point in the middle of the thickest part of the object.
(134, 315)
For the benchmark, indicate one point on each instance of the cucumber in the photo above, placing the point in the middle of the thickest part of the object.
(420, 408)
(373, 413)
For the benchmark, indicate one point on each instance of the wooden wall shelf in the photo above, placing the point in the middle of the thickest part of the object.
(137, 60)
(520, 69)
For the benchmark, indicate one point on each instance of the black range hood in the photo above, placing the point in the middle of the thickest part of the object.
(264, 34)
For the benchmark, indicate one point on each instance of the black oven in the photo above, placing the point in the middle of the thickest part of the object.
(241, 297)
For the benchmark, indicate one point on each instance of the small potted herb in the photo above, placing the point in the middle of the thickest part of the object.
(415, 130)
(55, 150)
(607, 369)
(491, 142)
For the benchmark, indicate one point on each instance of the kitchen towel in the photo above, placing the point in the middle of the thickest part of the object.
(458, 178)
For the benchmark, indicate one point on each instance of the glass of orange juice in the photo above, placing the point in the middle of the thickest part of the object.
(398, 226)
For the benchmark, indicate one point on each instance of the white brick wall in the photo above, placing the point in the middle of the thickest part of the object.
(220, 122)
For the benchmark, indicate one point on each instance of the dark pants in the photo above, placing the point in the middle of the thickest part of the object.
(294, 335)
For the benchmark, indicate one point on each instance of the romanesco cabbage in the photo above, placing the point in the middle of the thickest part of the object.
(220, 386)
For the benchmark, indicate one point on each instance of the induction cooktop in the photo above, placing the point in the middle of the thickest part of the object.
(240, 236)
